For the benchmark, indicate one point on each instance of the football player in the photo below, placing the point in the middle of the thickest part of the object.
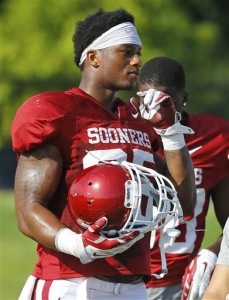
(59, 134)
(189, 267)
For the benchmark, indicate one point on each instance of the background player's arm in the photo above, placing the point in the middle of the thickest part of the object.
(37, 177)
(158, 108)
(177, 166)
(180, 172)
(218, 287)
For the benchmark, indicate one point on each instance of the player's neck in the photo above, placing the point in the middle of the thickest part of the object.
(105, 96)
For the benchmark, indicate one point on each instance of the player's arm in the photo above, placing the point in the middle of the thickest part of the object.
(218, 287)
(177, 167)
(159, 109)
(37, 177)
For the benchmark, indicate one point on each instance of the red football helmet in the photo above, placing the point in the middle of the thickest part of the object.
(100, 191)
(132, 197)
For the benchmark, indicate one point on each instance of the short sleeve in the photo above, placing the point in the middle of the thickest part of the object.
(37, 121)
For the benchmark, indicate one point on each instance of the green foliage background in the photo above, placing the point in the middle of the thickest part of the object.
(36, 55)
(36, 52)
(17, 252)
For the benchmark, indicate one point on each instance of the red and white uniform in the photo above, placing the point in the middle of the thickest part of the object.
(84, 131)
(209, 150)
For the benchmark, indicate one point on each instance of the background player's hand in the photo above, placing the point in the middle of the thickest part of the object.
(97, 245)
(159, 109)
(197, 275)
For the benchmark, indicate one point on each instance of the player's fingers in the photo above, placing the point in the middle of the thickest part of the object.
(98, 225)
(127, 241)
(133, 236)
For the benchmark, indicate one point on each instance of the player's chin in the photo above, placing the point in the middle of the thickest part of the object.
(129, 85)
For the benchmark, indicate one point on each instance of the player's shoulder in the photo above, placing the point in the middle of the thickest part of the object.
(209, 122)
(45, 101)
(39, 118)
(48, 105)
(207, 117)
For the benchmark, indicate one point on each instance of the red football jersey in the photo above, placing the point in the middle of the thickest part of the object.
(85, 132)
(209, 149)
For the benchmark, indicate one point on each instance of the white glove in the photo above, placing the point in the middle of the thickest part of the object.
(93, 244)
(159, 109)
(197, 275)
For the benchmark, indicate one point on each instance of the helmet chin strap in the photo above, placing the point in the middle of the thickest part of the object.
(164, 269)
(173, 233)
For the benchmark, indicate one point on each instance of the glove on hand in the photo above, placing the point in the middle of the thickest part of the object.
(159, 109)
(93, 244)
(99, 246)
(197, 275)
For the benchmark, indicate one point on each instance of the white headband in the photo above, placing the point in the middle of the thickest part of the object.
(124, 33)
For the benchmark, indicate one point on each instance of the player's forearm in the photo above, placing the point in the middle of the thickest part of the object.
(181, 172)
(218, 286)
(211, 295)
(39, 224)
(36, 181)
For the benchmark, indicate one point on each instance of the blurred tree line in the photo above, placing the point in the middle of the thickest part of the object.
(36, 52)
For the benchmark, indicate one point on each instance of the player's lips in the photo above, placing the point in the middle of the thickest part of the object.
(134, 75)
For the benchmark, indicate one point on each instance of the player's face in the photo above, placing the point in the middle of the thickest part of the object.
(119, 66)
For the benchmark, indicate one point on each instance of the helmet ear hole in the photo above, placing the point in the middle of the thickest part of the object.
(90, 202)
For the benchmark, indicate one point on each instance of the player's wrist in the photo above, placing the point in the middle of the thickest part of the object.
(69, 242)
(173, 142)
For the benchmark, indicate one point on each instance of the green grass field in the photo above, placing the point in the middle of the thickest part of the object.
(17, 253)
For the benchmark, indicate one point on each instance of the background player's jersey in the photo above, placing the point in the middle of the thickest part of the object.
(85, 132)
(209, 149)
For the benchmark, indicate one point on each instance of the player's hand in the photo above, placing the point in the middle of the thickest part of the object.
(97, 245)
(92, 243)
(197, 275)
(159, 109)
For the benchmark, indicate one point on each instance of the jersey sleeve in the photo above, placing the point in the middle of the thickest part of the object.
(37, 121)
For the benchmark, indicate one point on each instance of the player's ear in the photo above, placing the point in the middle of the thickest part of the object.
(92, 57)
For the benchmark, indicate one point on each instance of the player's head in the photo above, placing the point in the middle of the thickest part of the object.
(107, 47)
(167, 75)
(95, 25)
